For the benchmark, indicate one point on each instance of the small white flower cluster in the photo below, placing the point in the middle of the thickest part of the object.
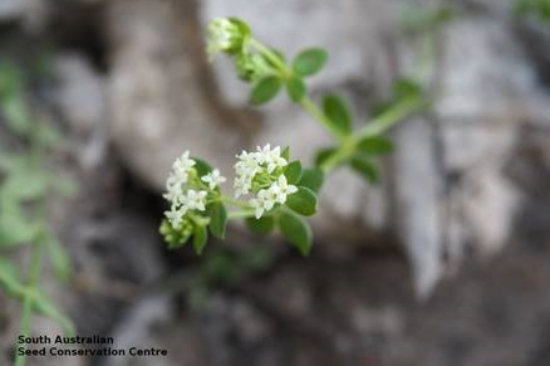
(180, 192)
(277, 192)
(213, 179)
(259, 167)
(221, 35)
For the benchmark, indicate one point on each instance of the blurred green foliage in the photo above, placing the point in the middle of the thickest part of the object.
(228, 268)
(539, 8)
(26, 181)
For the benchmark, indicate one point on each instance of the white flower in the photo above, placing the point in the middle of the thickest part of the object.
(194, 200)
(268, 197)
(174, 188)
(182, 166)
(175, 215)
(257, 167)
(214, 179)
(270, 158)
(242, 185)
(263, 153)
(259, 204)
(223, 35)
(265, 200)
(246, 168)
(284, 189)
(247, 164)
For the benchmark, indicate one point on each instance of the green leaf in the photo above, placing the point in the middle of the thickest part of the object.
(538, 8)
(47, 307)
(11, 79)
(257, 258)
(265, 90)
(16, 113)
(296, 89)
(324, 154)
(407, 88)
(422, 20)
(303, 202)
(263, 225)
(338, 113)
(297, 231)
(10, 278)
(293, 172)
(59, 258)
(286, 153)
(47, 135)
(202, 167)
(244, 28)
(313, 179)
(200, 237)
(9, 162)
(15, 227)
(218, 219)
(64, 186)
(364, 166)
(310, 61)
(26, 183)
(279, 55)
(376, 145)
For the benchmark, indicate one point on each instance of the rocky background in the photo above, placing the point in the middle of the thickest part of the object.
(444, 263)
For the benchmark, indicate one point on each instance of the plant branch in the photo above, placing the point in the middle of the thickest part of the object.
(316, 113)
(240, 214)
(376, 127)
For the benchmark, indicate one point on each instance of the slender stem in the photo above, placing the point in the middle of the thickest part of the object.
(235, 202)
(316, 113)
(348, 143)
(271, 56)
(391, 117)
(376, 127)
(240, 214)
(30, 295)
(335, 160)
(306, 103)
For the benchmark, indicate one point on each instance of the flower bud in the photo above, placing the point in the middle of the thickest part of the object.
(227, 35)
(251, 67)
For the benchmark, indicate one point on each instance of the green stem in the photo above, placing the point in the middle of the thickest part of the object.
(30, 295)
(391, 117)
(240, 214)
(306, 103)
(348, 143)
(235, 202)
(376, 127)
(271, 56)
(316, 113)
(336, 159)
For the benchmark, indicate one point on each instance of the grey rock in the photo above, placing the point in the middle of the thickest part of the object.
(33, 14)
(486, 80)
(81, 98)
(158, 106)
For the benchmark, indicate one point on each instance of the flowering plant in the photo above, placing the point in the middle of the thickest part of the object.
(271, 190)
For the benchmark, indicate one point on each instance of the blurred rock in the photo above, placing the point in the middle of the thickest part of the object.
(138, 329)
(157, 91)
(82, 101)
(159, 110)
(418, 202)
(33, 14)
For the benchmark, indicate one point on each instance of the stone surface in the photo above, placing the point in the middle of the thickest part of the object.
(158, 104)
(466, 193)
(159, 110)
